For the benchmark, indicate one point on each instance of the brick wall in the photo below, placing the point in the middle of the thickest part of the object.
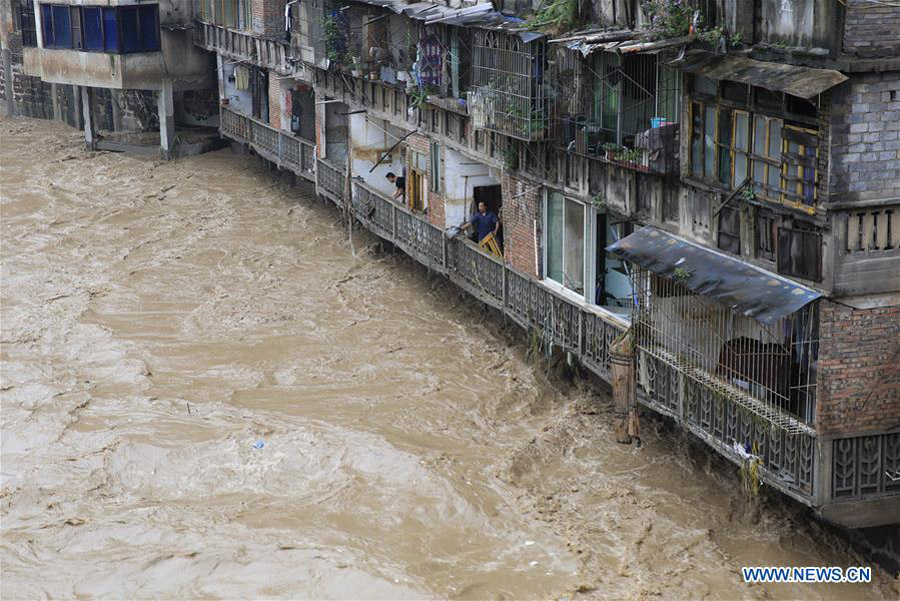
(267, 18)
(859, 369)
(865, 129)
(521, 208)
(872, 29)
(275, 95)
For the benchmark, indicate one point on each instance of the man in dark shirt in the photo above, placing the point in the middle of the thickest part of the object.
(400, 182)
(484, 222)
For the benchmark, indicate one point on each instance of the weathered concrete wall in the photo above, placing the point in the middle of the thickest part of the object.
(461, 176)
(872, 29)
(865, 151)
(859, 369)
(367, 144)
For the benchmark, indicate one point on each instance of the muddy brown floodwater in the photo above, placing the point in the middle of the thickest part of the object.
(158, 319)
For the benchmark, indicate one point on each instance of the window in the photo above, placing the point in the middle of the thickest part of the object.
(417, 196)
(435, 167)
(565, 242)
(730, 229)
(765, 234)
(92, 21)
(27, 24)
(729, 144)
(800, 251)
(101, 29)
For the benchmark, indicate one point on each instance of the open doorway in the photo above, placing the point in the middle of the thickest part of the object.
(491, 195)
(336, 132)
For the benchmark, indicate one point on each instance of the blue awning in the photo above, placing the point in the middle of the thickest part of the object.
(745, 288)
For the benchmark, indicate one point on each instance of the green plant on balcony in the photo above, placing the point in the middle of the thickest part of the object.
(668, 19)
(748, 194)
(681, 275)
(419, 95)
(335, 42)
(511, 156)
(629, 155)
(554, 16)
(599, 202)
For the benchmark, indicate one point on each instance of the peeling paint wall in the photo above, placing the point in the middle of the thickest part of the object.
(368, 142)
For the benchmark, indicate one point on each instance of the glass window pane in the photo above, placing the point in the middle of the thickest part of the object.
(710, 137)
(574, 252)
(725, 146)
(555, 237)
(775, 139)
(62, 29)
(704, 85)
(741, 131)
(47, 25)
(740, 168)
(149, 27)
(110, 30)
(128, 19)
(697, 139)
(93, 28)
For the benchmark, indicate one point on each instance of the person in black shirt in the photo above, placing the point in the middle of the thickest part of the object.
(400, 182)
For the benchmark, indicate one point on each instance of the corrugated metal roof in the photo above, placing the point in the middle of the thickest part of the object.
(480, 15)
(745, 288)
(804, 82)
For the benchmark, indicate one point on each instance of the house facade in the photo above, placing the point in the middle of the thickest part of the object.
(721, 177)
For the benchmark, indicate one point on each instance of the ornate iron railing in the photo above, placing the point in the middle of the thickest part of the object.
(865, 466)
(330, 180)
(283, 149)
(787, 459)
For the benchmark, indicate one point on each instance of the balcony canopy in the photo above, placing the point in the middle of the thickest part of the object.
(745, 288)
(804, 82)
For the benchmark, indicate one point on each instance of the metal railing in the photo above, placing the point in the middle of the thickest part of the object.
(787, 460)
(268, 53)
(283, 149)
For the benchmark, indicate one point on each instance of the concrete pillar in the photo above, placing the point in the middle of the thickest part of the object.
(116, 98)
(8, 82)
(90, 135)
(166, 109)
(54, 97)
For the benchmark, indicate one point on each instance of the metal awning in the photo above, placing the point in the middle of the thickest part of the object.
(804, 82)
(480, 15)
(745, 288)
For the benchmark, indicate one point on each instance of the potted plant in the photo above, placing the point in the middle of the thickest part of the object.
(611, 149)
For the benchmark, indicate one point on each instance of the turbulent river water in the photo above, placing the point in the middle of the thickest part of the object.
(160, 321)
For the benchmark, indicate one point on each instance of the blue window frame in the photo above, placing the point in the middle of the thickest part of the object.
(148, 17)
(47, 25)
(110, 30)
(92, 21)
(62, 27)
(101, 29)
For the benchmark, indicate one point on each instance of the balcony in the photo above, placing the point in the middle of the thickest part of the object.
(274, 145)
(867, 248)
(508, 93)
(266, 53)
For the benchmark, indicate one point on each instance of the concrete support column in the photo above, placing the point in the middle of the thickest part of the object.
(8, 90)
(116, 98)
(90, 135)
(166, 109)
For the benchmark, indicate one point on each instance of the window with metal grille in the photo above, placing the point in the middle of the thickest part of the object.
(26, 23)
